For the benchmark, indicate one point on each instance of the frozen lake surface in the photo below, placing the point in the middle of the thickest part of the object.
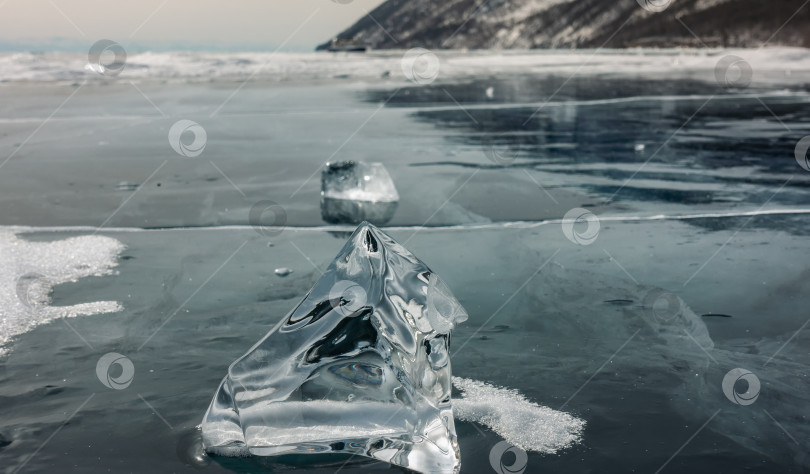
(698, 265)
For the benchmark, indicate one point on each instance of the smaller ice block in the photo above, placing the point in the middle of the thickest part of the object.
(355, 191)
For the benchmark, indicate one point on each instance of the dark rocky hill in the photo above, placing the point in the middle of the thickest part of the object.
(521, 24)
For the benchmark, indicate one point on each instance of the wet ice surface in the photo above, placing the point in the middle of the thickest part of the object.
(577, 329)
(574, 139)
(551, 337)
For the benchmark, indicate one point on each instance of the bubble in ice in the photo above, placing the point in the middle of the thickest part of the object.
(283, 271)
(126, 186)
(356, 191)
(360, 366)
(32, 269)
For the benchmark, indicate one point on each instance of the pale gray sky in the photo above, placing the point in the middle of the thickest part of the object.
(260, 23)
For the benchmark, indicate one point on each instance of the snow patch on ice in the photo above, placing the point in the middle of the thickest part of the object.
(30, 270)
(522, 423)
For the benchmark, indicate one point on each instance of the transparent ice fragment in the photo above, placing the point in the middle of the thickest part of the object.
(346, 211)
(355, 191)
(442, 310)
(358, 181)
(360, 366)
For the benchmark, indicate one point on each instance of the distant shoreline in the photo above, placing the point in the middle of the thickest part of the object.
(770, 65)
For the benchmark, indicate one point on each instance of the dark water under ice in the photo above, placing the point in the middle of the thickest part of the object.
(571, 327)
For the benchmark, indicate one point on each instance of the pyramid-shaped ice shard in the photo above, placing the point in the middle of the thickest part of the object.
(360, 366)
